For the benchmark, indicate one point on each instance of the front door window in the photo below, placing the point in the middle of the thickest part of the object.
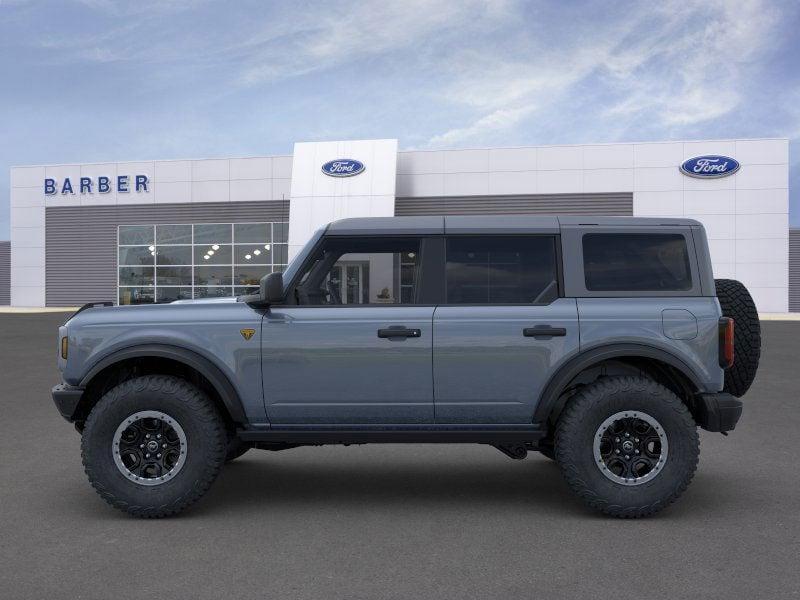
(352, 271)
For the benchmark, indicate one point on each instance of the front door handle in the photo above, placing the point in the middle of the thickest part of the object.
(544, 331)
(399, 332)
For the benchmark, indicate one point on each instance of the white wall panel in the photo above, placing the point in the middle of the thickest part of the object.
(722, 251)
(420, 185)
(30, 257)
(466, 161)
(282, 167)
(723, 147)
(658, 154)
(557, 158)
(608, 180)
(762, 177)
(560, 182)
(27, 177)
(718, 227)
(762, 201)
(512, 183)
(211, 191)
(608, 156)
(172, 192)
(657, 179)
(32, 296)
(658, 204)
(761, 250)
(513, 159)
(709, 202)
(466, 184)
(26, 197)
(761, 152)
(211, 170)
(25, 237)
(250, 168)
(173, 170)
(763, 226)
(243, 190)
(771, 299)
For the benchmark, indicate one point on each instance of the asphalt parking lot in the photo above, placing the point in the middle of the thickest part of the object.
(396, 521)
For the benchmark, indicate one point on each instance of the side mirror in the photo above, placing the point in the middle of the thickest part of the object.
(272, 288)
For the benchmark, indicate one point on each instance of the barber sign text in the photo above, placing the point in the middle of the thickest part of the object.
(710, 166)
(122, 184)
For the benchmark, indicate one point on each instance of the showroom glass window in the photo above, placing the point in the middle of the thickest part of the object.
(636, 262)
(352, 271)
(162, 263)
(501, 270)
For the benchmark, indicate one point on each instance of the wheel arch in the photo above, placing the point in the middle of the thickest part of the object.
(683, 378)
(169, 359)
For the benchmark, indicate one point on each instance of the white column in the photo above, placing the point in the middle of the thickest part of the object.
(317, 198)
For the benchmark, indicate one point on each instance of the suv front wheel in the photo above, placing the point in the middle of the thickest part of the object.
(627, 445)
(153, 445)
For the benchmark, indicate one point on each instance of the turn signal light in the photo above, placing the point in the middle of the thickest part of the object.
(64, 347)
(726, 342)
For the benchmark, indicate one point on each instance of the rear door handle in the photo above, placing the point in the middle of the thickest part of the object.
(399, 332)
(544, 331)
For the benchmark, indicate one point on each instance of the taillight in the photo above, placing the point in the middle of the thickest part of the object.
(725, 342)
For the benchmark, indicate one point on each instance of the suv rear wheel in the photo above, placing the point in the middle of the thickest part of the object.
(627, 445)
(153, 445)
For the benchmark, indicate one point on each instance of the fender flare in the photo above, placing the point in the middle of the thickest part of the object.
(219, 381)
(592, 356)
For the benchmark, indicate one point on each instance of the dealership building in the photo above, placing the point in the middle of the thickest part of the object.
(159, 230)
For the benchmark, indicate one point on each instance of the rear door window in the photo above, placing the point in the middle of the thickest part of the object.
(501, 270)
(636, 262)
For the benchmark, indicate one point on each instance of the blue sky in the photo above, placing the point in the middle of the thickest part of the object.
(98, 80)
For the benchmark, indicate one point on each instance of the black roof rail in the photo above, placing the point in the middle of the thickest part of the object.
(89, 305)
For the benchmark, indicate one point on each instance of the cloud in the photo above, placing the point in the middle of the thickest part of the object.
(672, 65)
(356, 31)
(500, 119)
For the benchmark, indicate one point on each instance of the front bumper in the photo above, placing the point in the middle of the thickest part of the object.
(67, 399)
(717, 412)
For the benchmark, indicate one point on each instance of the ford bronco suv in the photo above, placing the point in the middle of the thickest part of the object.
(602, 343)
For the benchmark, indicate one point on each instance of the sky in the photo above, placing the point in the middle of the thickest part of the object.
(97, 80)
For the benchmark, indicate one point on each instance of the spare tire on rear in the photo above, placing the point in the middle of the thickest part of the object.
(736, 303)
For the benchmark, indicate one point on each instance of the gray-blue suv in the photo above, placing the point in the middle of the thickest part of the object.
(603, 343)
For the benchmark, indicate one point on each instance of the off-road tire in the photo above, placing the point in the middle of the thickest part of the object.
(579, 423)
(205, 439)
(736, 303)
(236, 448)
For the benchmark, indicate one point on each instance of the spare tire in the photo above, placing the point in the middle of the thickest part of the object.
(736, 303)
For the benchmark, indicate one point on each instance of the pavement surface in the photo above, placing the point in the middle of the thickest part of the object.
(396, 521)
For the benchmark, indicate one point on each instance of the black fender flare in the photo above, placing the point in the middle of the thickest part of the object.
(570, 369)
(219, 381)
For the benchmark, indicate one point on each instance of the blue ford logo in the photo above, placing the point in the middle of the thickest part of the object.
(343, 167)
(710, 166)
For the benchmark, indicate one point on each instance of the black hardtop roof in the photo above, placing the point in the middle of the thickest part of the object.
(432, 225)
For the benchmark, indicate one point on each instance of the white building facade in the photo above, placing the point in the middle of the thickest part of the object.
(145, 231)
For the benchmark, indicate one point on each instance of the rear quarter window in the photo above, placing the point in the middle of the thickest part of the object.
(637, 262)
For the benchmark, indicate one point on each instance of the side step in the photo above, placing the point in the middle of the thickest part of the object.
(396, 434)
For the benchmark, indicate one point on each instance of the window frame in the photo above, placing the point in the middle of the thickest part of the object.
(574, 272)
(556, 239)
(420, 299)
(277, 247)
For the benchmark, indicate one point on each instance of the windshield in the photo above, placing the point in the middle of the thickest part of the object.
(297, 261)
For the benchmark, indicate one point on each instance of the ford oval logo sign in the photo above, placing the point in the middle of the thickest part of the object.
(710, 166)
(343, 167)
